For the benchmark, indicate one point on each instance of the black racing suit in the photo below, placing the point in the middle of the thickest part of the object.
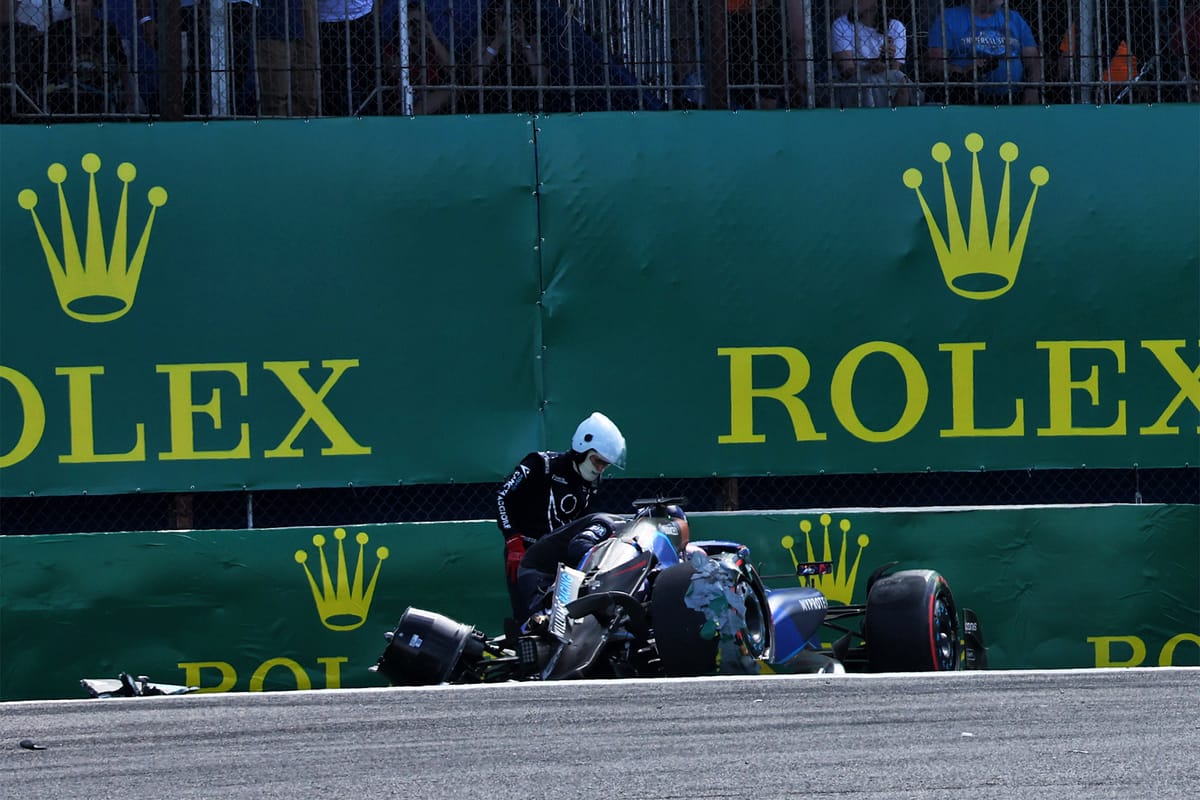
(567, 545)
(544, 493)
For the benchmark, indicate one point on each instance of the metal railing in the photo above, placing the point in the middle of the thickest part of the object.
(200, 59)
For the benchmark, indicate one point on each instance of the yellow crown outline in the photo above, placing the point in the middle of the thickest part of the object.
(342, 605)
(91, 289)
(970, 259)
(839, 585)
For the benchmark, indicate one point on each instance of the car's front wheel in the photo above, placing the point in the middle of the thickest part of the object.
(911, 623)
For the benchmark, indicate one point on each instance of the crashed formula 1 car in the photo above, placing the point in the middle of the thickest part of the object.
(644, 603)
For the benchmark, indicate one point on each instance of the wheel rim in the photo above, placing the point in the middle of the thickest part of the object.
(945, 634)
(758, 614)
(756, 625)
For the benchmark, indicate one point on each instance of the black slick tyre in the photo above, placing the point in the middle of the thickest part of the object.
(911, 623)
(682, 651)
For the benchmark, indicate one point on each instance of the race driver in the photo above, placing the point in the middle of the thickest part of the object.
(549, 489)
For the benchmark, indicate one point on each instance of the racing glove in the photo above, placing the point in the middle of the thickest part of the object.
(514, 551)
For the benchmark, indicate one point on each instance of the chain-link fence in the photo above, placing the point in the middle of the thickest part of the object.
(377, 504)
(187, 59)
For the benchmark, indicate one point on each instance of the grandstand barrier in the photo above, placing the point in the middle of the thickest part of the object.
(395, 302)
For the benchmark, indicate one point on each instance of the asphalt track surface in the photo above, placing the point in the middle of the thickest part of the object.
(1060, 734)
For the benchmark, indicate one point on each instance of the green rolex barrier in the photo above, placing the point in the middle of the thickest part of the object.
(388, 300)
(307, 608)
(229, 610)
(950, 289)
(307, 304)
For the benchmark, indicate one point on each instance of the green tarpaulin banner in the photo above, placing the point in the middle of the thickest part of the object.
(307, 608)
(957, 290)
(382, 301)
(328, 304)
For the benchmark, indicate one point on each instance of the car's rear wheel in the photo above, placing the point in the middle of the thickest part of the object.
(682, 649)
(911, 623)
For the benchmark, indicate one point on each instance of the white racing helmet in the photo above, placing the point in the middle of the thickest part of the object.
(598, 433)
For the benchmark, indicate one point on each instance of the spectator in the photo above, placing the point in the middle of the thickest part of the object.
(431, 84)
(757, 50)
(236, 87)
(798, 59)
(195, 63)
(685, 53)
(87, 69)
(287, 58)
(1123, 33)
(239, 59)
(20, 59)
(1120, 70)
(549, 489)
(987, 52)
(38, 13)
(762, 36)
(347, 42)
(1183, 52)
(869, 57)
(510, 59)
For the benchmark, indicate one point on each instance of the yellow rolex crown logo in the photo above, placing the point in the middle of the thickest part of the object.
(91, 286)
(977, 263)
(342, 602)
(838, 586)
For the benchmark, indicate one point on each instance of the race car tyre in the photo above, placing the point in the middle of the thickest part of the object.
(911, 623)
(760, 630)
(682, 650)
(424, 649)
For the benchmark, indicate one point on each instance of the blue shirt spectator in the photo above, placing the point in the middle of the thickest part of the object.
(990, 46)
